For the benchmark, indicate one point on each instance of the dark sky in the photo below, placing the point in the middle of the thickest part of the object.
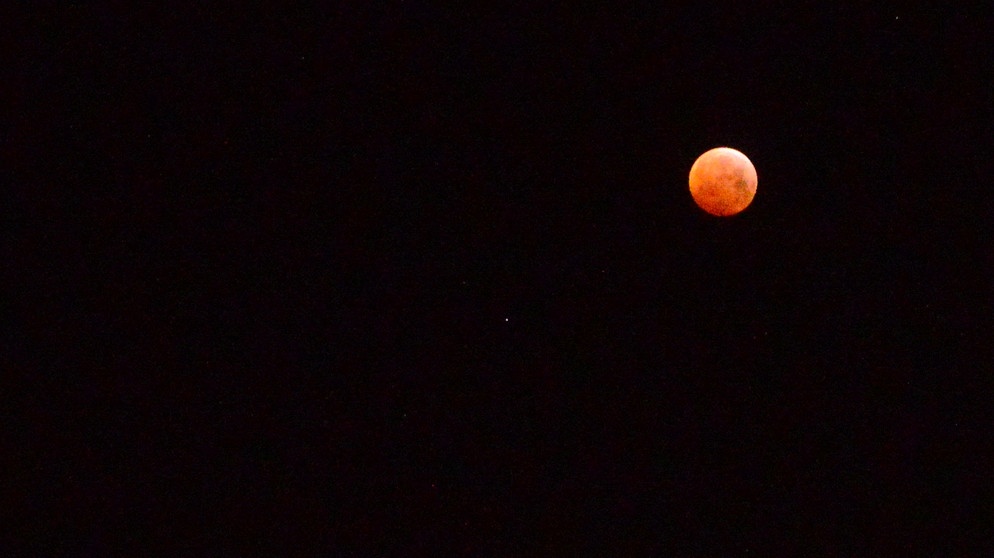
(421, 278)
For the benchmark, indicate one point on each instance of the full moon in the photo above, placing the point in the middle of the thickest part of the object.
(723, 181)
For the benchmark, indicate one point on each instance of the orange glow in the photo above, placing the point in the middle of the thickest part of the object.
(723, 181)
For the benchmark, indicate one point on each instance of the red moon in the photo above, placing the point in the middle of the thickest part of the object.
(723, 181)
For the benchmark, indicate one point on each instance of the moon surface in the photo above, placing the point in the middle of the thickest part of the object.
(723, 181)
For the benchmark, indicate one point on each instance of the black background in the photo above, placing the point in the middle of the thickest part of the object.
(422, 278)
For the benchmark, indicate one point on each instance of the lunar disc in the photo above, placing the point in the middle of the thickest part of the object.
(723, 181)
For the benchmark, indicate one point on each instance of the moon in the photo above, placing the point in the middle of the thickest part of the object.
(723, 181)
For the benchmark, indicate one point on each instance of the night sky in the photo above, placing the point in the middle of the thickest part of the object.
(431, 280)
